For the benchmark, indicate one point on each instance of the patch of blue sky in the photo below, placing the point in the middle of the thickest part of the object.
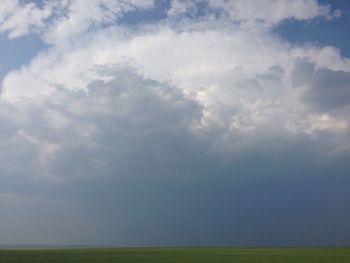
(157, 13)
(321, 32)
(17, 52)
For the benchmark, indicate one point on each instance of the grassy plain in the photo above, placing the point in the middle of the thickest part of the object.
(178, 255)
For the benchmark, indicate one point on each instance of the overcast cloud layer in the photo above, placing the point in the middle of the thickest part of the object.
(185, 123)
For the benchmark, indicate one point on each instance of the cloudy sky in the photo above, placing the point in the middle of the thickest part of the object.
(175, 122)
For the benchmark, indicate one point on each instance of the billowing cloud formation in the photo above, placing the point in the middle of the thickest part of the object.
(134, 152)
(170, 131)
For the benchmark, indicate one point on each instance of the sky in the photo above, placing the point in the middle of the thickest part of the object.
(175, 122)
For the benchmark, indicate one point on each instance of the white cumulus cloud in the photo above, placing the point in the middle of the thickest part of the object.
(207, 90)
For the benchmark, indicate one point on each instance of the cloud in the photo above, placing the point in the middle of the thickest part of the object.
(252, 14)
(54, 144)
(60, 20)
(243, 84)
(81, 16)
(134, 151)
(183, 127)
(18, 19)
(109, 119)
(179, 8)
(326, 89)
(270, 12)
(244, 80)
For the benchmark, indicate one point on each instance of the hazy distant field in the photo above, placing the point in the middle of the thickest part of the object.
(153, 255)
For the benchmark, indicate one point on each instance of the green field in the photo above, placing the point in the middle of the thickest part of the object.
(154, 255)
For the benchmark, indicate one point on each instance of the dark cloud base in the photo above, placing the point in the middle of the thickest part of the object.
(124, 163)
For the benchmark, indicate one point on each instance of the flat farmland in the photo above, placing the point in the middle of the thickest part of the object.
(189, 255)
